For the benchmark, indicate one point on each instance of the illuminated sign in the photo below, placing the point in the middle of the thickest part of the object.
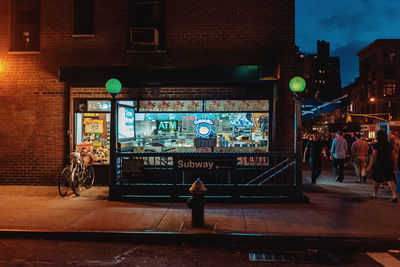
(203, 127)
(167, 125)
(242, 123)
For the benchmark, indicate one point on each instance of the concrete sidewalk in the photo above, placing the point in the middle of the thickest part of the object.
(336, 210)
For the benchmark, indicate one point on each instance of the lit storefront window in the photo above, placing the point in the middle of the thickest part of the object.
(210, 125)
(389, 89)
(174, 126)
(92, 131)
(92, 136)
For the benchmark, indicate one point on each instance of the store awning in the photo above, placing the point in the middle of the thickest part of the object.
(314, 107)
(131, 75)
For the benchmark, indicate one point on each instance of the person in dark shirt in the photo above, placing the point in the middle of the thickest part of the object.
(313, 152)
(383, 165)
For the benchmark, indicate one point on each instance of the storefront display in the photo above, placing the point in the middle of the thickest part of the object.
(92, 137)
(176, 126)
(201, 125)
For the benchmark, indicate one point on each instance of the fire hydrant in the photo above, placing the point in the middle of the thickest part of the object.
(196, 203)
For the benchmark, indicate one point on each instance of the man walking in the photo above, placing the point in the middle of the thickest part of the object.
(338, 154)
(359, 154)
(313, 150)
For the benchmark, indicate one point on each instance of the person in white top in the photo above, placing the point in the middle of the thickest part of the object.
(338, 155)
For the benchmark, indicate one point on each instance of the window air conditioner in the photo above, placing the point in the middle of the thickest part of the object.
(144, 37)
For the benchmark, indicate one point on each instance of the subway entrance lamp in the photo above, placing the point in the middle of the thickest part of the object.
(113, 86)
(297, 85)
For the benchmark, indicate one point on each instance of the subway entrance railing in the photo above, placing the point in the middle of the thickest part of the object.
(226, 175)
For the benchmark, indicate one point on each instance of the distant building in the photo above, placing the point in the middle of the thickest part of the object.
(379, 78)
(321, 72)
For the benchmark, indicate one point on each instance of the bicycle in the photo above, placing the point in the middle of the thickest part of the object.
(76, 174)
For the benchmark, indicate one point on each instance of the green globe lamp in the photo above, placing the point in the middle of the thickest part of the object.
(297, 84)
(113, 86)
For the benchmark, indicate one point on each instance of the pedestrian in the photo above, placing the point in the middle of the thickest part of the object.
(313, 151)
(338, 155)
(359, 154)
(383, 165)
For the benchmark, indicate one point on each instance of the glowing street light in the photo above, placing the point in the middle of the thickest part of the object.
(297, 85)
(113, 86)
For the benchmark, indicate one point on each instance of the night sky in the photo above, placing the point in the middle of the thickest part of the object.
(348, 25)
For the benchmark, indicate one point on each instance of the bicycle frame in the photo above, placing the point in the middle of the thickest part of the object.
(75, 164)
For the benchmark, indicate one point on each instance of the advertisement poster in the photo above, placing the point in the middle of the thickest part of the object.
(93, 126)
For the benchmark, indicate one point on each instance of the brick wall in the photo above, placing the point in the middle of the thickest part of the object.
(207, 32)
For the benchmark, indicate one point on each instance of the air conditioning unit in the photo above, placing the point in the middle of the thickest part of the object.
(144, 37)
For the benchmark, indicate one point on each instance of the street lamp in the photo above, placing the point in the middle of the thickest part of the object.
(297, 85)
(375, 100)
(113, 86)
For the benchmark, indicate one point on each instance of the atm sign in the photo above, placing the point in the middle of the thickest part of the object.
(167, 125)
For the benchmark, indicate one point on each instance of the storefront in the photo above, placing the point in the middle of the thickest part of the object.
(173, 126)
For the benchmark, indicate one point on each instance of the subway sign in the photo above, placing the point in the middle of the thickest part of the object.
(167, 125)
(193, 163)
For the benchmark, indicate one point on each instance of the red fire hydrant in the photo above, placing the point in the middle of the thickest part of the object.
(197, 202)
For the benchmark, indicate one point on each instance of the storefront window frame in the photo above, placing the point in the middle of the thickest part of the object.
(80, 105)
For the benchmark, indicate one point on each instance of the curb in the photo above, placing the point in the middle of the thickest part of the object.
(251, 241)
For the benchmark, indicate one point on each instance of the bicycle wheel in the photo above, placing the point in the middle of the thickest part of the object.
(76, 185)
(89, 176)
(63, 182)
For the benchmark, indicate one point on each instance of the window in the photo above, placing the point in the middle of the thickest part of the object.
(83, 16)
(146, 24)
(390, 73)
(372, 75)
(25, 25)
(389, 88)
(389, 55)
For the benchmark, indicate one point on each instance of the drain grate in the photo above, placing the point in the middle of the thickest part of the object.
(295, 257)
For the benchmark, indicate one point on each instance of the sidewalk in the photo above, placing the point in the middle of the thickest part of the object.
(340, 210)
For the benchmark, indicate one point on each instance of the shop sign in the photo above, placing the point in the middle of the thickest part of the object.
(167, 125)
(242, 123)
(94, 126)
(203, 127)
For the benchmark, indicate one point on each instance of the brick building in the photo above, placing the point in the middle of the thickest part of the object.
(55, 57)
(379, 78)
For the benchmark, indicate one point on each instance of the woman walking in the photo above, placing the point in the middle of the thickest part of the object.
(382, 164)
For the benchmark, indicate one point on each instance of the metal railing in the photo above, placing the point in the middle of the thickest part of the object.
(243, 173)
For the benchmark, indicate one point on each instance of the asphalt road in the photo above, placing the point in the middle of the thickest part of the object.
(34, 252)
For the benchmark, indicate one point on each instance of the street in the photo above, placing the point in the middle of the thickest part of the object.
(34, 252)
